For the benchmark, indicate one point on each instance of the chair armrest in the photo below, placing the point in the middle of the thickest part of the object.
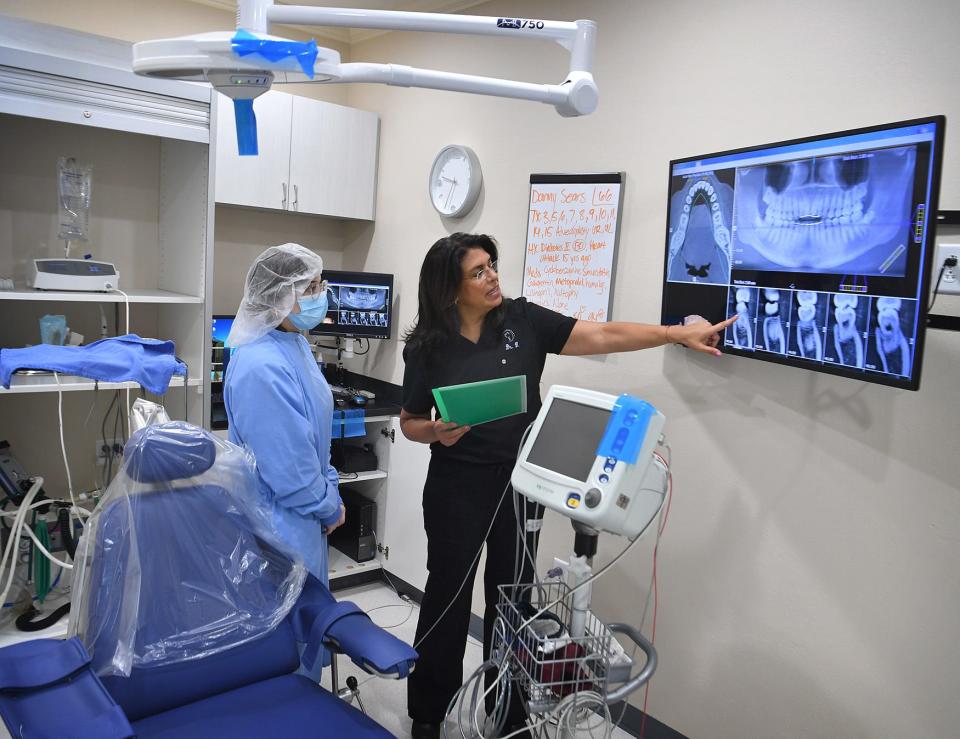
(370, 647)
(47, 690)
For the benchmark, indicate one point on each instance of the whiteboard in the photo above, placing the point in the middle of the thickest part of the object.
(573, 230)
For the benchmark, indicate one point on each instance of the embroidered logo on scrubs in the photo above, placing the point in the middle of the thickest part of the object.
(510, 340)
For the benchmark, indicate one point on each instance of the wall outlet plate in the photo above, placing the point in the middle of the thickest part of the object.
(950, 282)
(116, 444)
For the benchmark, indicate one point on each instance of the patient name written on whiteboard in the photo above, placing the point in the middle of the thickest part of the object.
(571, 246)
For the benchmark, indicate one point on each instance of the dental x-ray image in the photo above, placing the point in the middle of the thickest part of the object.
(743, 301)
(844, 214)
(773, 315)
(363, 297)
(890, 340)
(847, 325)
(701, 213)
(809, 313)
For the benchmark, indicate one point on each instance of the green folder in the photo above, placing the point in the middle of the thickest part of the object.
(474, 403)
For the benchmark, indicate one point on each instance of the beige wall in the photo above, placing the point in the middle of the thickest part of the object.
(809, 574)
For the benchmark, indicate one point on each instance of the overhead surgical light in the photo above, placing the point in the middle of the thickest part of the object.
(245, 64)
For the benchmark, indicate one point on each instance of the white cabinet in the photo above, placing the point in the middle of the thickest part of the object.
(260, 181)
(314, 157)
(397, 490)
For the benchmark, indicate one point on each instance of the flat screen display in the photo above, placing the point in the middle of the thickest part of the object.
(360, 304)
(220, 355)
(569, 437)
(821, 245)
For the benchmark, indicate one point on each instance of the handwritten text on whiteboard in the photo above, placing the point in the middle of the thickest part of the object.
(571, 240)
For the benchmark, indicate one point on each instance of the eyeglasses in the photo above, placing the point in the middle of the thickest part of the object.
(480, 273)
(315, 289)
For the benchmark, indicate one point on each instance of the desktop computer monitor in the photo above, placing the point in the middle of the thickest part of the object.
(220, 355)
(822, 245)
(360, 305)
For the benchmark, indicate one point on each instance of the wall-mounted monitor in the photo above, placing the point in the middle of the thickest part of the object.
(822, 245)
(360, 305)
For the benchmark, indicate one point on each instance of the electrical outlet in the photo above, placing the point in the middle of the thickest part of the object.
(950, 282)
(114, 444)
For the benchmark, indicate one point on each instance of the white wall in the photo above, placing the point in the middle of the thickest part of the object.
(809, 574)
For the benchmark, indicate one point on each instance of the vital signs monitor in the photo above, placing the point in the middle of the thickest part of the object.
(590, 456)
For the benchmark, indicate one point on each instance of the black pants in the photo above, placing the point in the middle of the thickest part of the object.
(459, 501)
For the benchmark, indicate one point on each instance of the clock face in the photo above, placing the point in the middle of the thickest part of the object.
(454, 181)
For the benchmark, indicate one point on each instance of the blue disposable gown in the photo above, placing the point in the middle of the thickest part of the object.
(280, 406)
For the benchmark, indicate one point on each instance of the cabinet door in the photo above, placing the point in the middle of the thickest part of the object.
(403, 521)
(333, 159)
(255, 181)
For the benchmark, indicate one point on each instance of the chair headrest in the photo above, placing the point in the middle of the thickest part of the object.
(169, 451)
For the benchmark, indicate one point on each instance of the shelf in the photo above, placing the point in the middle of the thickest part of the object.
(46, 384)
(136, 295)
(340, 565)
(361, 476)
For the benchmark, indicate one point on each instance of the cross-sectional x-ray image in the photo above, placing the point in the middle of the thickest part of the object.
(701, 211)
(890, 342)
(845, 214)
(743, 301)
(773, 315)
(809, 316)
(847, 324)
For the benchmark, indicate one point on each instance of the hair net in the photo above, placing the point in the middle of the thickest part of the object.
(180, 559)
(277, 278)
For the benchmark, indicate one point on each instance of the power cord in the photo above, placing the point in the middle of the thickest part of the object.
(949, 262)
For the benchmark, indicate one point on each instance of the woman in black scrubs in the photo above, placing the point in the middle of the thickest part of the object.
(466, 331)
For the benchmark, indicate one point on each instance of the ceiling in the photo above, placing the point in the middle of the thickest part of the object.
(353, 35)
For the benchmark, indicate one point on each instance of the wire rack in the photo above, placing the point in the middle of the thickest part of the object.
(545, 662)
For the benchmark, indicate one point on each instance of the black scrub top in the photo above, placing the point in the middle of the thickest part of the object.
(518, 346)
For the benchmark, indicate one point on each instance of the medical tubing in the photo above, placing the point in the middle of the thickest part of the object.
(43, 550)
(63, 445)
(66, 532)
(25, 621)
(13, 541)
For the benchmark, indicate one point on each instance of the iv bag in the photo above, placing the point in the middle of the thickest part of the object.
(73, 186)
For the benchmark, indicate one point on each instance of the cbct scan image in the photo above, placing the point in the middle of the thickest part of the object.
(890, 345)
(846, 329)
(807, 327)
(701, 210)
(845, 214)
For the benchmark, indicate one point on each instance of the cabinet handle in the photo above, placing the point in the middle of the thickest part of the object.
(283, 203)
(296, 198)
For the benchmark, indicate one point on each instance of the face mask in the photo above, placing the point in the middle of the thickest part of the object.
(312, 311)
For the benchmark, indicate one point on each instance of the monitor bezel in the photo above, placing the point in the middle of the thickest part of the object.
(336, 275)
(878, 378)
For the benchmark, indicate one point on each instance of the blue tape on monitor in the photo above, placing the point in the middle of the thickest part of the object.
(626, 429)
(304, 53)
(246, 128)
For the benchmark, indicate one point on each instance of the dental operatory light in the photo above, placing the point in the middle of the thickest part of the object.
(245, 64)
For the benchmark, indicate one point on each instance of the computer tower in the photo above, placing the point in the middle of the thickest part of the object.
(356, 538)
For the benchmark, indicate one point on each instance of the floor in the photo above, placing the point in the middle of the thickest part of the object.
(386, 700)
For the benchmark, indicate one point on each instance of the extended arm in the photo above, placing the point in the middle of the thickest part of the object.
(589, 337)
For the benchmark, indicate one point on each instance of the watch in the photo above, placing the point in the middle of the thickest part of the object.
(455, 181)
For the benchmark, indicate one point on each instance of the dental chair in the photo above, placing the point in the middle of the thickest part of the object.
(52, 688)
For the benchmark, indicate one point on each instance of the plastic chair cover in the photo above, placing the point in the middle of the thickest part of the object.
(179, 560)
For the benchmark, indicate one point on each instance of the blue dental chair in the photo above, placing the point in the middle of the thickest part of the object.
(50, 688)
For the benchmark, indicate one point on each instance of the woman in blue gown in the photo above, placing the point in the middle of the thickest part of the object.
(279, 404)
